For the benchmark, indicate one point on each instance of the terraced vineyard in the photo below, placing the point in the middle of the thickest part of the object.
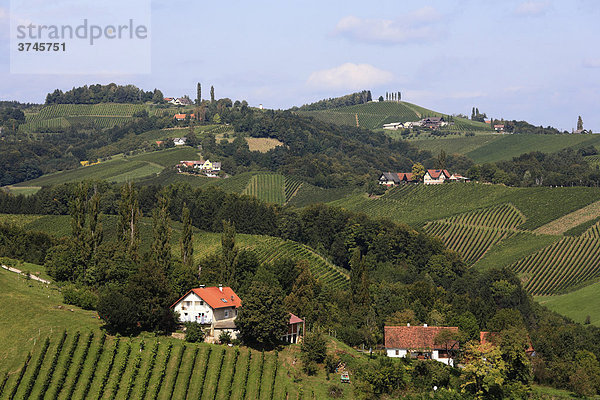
(504, 216)
(75, 365)
(471, 242)
(568, 263)
(291, 186)
(267, 187)
(593, 231)
(273, 248)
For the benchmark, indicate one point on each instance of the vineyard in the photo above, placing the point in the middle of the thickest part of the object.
(272, 248)
(103, 115)
(291, 187)
(82, 365)
(568, 263)
(267, 187)
(470, 242)
(504, 216)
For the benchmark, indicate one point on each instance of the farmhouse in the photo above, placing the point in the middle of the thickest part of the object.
(394, 126)
(419, 342)
(499, 128)
(433, 122)
(182, 117)
(458, 178)
(395, 178)
(212, 306)
(179, 141)
(435, 176)
(295, 330)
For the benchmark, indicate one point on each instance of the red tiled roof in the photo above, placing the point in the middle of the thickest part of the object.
(415, 337)
(182, 116)
(405, 175)
(294, 319)
(435, 173)
(215, 298)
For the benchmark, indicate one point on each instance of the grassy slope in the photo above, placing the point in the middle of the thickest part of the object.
(118, 169)
(491, 148)
(576, 305)
(37, 316)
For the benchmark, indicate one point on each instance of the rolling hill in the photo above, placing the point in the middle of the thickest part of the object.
(373, 115)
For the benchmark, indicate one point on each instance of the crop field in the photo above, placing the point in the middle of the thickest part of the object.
(470, 242)
(493, 147)
(119, 169)
(267, 187)
(90, 364)
(560, 267)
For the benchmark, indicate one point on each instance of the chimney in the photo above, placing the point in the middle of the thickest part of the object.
(424, 325)
(408, 324)
(221, 288)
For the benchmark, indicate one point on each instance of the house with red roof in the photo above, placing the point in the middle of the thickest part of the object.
(436, 176)
(396, 178)
(215, 307)
(419, 342)
(295, 330)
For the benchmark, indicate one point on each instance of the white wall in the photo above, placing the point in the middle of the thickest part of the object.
(392, 352)
(193, 312)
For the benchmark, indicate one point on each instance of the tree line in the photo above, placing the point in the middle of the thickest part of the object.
(335, 102)
(111, 93)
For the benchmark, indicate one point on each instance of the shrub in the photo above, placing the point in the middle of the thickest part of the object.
(194, 332)
(335, 392)
(314, 347)
(83, 298)
(225, 337)
(309, 367)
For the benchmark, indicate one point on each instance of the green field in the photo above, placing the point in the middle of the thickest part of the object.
(103, 115)
(118, 169)
(577, 305)
(492, 148)
(374, 114)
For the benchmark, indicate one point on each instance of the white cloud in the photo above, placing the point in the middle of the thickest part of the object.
(350, 76)
(416, 26)
(532, 8)
(591, 63)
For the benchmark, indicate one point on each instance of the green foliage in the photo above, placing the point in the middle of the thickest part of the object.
(83, 298)
(313, 348)
(118, 311)
(194, 332)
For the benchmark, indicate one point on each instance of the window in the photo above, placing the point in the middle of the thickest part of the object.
(397, 352)
(226, 313)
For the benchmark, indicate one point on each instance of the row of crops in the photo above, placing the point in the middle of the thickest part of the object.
(93, 365)
(291, 186)
(471, 242)
(559, 267)
(267, 187)
(322, 269)
(504, 216)
(96, 110)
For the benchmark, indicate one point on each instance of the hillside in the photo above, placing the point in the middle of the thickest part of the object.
(494, 225)
(494, 147)
(374, 114)
(71, 358)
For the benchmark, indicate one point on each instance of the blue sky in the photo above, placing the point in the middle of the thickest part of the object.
(532, 60)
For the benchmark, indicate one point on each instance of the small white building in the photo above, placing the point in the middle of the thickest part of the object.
(216, 307)
(295, 330)
(435, 176)
(394, 126)
(179, 141)
(419, 342)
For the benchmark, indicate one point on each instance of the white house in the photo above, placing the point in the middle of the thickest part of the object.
(419, 342)
(295, 330)
(179, 141)
(435, 176)
(394, 126)
(214, 306)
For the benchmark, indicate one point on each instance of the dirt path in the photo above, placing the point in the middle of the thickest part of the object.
(566, 222)
(35, 278)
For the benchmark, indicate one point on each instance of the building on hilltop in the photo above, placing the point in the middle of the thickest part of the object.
(214, 307)
(419, 342)
(436, 176)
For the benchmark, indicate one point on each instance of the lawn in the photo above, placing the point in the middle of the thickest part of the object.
(577, 305)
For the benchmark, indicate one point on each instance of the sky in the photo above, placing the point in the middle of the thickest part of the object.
(527, 60)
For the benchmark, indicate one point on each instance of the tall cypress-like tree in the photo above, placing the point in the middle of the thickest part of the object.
(212, 94)
(78, 213)
(399, 96)
(95, 231)
(579, 123)
(129, 214)
(228, 253)
(161, 247)
(198, 94)
(186, 242)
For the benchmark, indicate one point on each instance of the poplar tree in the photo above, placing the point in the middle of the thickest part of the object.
(186, 242)
(161, 245)
(95, 231)
(129, 214)
(78, 213)
(212, 94)
(199, 94)
(399, 96)
(579, 123)
(228, 253)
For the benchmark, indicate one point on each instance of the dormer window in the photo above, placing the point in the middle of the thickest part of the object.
(224, 300)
